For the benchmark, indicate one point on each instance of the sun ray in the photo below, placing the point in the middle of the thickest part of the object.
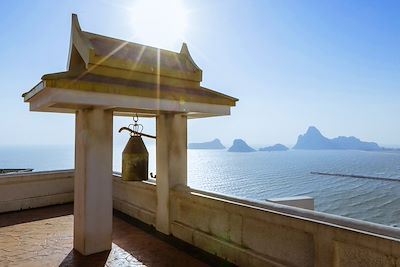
(160, 23)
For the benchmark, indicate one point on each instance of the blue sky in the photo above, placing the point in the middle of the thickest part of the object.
(332, 64)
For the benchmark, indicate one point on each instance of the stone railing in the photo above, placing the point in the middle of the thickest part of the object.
(20, 191)
(245, 232)
(252, 233)
(136, 199)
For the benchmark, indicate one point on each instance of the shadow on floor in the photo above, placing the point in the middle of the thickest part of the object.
(148, 246)
(74, 258)
(36, 214)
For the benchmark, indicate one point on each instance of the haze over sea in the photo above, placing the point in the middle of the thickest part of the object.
(263, 175)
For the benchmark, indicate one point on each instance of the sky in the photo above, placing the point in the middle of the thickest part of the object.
(331, 64)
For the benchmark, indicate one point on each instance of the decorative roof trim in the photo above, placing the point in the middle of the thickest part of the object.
(80, 42)
(185, 51)
(87, 46)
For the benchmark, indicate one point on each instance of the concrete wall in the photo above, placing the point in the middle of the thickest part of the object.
(245, 232)
(21, 191)
(136, 199)
(250, 233)
(36, 189)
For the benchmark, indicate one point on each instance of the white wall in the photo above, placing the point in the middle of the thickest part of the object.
(36, 189)
(136, 199)
(251, 233)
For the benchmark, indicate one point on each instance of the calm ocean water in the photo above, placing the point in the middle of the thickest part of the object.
(263, 175)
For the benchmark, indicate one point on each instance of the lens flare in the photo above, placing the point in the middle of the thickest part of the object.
(159, 23)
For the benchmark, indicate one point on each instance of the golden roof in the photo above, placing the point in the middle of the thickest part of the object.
(100, 64)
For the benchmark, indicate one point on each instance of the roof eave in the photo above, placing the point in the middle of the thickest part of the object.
(35, 90)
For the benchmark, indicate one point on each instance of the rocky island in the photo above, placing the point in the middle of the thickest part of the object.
(240, 146)
(277, 147)
(214, 144)
(314, 140)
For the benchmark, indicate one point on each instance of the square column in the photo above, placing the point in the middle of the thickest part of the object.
(93, 181)
(171, 149)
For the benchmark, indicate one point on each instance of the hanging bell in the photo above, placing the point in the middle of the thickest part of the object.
(135, 160)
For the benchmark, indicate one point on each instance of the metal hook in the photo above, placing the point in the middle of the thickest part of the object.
(135, 118)
(136, 129)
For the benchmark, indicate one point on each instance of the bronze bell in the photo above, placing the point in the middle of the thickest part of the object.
(135, 160)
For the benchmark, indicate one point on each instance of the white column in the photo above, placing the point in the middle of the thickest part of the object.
(93, 181)
(171, 162)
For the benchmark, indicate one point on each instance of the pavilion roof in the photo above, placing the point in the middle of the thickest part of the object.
(102, 65)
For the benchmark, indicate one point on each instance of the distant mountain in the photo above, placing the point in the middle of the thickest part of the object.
(240, 146)
(314, 140)
(214, 144)
(277, 147)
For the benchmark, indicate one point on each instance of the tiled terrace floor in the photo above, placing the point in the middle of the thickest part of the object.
(43, 237)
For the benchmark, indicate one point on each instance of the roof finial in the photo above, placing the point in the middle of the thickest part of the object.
(185, 51)
(75, 22)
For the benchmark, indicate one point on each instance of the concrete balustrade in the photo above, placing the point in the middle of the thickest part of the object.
(245, 232)
(37, 189)
(21, 191)
(136, 199)
(252, 233)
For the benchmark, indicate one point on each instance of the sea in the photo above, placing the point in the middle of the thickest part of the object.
(264, 175)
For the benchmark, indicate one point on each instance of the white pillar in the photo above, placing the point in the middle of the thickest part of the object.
(171, 162)
(93, 181)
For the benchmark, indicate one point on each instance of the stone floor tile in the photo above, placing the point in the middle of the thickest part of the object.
(44, 237)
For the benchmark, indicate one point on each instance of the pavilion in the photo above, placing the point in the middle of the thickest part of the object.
(108, 77)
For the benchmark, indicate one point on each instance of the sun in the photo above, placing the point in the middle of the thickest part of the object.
(160, 23)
